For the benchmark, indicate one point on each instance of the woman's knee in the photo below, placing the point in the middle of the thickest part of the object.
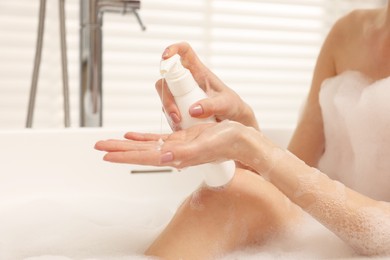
(248, 206)
(223, 198)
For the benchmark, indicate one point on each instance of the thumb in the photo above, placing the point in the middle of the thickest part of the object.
(203, 108)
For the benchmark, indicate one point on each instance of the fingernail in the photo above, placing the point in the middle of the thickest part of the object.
(97, 145)
(196, 110)
(175, 118)
(106, 157)
(166, 157)
(165, 53)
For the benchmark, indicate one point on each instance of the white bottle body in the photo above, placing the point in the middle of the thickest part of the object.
(186, 92)
(184, 102)
(215, 174)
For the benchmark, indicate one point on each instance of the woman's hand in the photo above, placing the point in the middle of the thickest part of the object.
(196, 145)
(223, 103)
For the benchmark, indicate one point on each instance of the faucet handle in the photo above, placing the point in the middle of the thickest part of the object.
(133, 6)
(137, 16)
(122, 6)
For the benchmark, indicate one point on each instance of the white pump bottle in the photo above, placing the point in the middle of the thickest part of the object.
(186, 92)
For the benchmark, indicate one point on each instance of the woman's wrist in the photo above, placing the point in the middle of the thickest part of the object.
(253, 149)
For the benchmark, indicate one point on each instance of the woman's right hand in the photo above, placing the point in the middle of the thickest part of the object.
(199, 144)
(222, 102)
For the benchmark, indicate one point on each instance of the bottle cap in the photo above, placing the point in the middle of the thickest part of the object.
(179, 79)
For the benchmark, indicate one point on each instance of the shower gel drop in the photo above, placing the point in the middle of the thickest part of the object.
(186, 92)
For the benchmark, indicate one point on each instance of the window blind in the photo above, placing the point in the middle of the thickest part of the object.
(264, 50)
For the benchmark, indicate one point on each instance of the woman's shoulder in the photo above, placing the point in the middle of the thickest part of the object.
(354, 23)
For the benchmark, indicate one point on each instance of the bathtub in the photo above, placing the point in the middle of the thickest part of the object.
(59, 200)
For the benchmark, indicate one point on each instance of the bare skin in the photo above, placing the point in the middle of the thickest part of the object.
(251, 209)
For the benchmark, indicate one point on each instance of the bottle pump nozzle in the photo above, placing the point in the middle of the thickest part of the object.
(167, 65)
(179, 79)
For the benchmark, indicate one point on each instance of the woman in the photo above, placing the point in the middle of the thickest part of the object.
(343, 132)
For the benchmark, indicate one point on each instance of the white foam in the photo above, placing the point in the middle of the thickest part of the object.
(365, 229)
(356, 115)
(308, 240)
(272, 159)
(113, 229)
(196, 201)
(160, 143)
(87, 228)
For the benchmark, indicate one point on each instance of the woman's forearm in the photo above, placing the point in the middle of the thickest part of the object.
(361, 222)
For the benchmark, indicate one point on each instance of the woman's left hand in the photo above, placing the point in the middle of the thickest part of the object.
(196, 145)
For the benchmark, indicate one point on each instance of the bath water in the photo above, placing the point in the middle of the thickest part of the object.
(116, 229)
(79, 228)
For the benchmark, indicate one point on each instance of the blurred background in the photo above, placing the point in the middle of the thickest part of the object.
(264, 50)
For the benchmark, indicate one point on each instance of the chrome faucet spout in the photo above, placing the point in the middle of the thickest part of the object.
(91, 17)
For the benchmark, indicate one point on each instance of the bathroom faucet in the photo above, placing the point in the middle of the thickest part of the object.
(91, 20)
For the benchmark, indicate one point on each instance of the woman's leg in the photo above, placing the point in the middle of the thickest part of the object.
(212, 222)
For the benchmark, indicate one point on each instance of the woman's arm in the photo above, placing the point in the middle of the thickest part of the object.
(308, 140)
(361, 222)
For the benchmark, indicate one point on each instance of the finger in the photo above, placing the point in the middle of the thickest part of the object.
(183, 153)
(183, 49)
(189, 59)
(202, 109)
(173, 121)
(214, 106)
(136, 136)
(169, 104)
(125, 145)
(134, 157)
